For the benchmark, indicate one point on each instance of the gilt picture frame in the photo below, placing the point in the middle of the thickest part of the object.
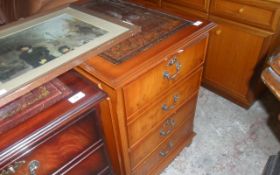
(34, 51)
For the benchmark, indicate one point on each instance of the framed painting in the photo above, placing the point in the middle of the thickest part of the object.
(37, 50)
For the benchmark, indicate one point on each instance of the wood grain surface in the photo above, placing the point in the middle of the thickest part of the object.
(247, 32)
(61, 136)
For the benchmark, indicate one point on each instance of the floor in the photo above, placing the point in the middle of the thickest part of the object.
(230, 140)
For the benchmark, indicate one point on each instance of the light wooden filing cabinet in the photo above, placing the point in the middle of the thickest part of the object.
(154, 91)
(154, 115)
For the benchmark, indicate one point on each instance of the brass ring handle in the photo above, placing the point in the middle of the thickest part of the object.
(168, 108)
(33, 166)
(169, 123)
(173, 61)
(165, 152)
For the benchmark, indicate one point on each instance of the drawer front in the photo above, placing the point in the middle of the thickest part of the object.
(139, 127)
(260, 16)
(164, 151)
(150, 86)
(95, 163)
(63, 146)
(193, 4)
(183, 116)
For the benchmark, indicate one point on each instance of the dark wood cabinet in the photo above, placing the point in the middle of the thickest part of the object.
(65, 138)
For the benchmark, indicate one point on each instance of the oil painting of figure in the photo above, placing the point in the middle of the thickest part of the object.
(35, 46)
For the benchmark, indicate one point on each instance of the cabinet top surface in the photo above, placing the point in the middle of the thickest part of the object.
(160, 34)
(155, 26)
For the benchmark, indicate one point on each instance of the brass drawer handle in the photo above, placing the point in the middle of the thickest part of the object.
(218, 32)
(169, 123)
(164, 153)
(33, 166)
(12, 169)
(241, 10)
(173, 61)
(168, 108)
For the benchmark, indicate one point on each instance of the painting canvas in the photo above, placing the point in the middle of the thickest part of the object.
(33, 49)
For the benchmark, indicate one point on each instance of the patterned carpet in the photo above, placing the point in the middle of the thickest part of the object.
(230, 140)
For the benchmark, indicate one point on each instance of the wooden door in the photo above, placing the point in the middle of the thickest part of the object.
(234, 53)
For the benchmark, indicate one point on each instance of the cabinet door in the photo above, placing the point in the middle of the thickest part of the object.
(234, 54)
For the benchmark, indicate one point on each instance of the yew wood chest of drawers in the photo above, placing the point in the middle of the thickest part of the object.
(153, 82)
(64, 138)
